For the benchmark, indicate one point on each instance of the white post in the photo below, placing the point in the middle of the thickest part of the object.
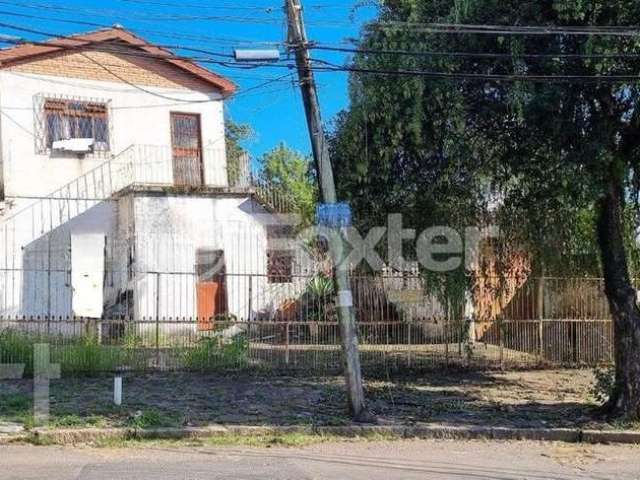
(117, 390)
(470, 317)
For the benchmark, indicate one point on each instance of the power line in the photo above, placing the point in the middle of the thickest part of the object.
(451, 28)
(204, 6)
(412, 53)
(231, 6)
(161, 33)
(151, 18)
(165, 97)
(140, 16)
(103, 47)
(330, 67)
(169, 56)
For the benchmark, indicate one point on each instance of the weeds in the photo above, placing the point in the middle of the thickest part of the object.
(16, 407)
(215, 352)
(17, 348)
(76, 355)
(151, 418)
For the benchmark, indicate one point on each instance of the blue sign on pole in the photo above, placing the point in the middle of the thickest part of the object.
(334, 215)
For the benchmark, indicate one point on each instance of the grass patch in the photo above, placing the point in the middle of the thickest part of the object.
(16, 408)
(17, 348)
(85, 355)
(152, 418)
(76, 355)
(287, 440)
(75, 421)
(215, 352)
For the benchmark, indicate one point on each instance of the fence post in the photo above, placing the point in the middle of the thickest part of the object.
(501, 340)
(540, 319)
(157, 319)
(250, 302)
(286, 343)
(409, 324)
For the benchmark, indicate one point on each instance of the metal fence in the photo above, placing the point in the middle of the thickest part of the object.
(284, 326)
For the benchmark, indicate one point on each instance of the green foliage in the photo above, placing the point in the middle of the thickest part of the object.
(320, 287)
(235, 134)
(214, 352)
(291, 173)
(17, 348)
(439, 151)
(75, 355)
(151, 418)
(87, 356)
(16, 407)
(318, 299)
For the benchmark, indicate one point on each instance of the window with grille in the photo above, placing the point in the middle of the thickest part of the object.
(60, 118)
(280, 266)
(280, 255)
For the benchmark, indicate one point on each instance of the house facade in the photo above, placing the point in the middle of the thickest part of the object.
(117, 197)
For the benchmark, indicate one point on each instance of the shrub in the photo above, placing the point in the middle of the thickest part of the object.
(214, 352)
(17, 348)
(604, 383)
(74, 355)
(86, 355)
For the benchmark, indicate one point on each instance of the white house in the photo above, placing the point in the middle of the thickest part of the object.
(117, 198)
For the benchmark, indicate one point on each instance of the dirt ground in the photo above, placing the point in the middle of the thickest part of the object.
(556, 398)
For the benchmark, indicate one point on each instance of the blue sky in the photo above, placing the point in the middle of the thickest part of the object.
(274, 110)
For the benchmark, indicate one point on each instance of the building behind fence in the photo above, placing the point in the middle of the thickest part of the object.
(292, 325)
(128, 240)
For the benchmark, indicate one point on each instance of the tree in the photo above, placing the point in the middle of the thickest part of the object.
(291, 173)
(562, 157)
(235, 134)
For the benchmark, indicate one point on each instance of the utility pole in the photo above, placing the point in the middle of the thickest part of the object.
(351, 354)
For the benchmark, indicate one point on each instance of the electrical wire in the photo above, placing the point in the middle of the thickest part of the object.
(203, 6)
(163, 33)
(152, 18)
(411, 53)
(231, 6)
(140, 16)
(330, 67)
(165, 97)
(451, 28)
(536, 78)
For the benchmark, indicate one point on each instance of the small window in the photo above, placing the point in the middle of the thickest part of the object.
(71, 119)
(280, 266)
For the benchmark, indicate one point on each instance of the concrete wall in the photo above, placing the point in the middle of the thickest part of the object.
(35, 228)
(137, 117)
(166, 255)
(35, 278)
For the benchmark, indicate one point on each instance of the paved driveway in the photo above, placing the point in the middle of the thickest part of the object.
(405, 460)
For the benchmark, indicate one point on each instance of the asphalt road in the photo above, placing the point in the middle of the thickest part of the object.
(406, 460)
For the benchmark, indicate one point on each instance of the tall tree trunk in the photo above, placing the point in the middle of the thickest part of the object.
(625, 399)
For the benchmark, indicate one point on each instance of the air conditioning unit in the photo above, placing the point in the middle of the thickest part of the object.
(74, 145)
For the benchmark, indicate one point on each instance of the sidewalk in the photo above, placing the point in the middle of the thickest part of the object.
(405, 460)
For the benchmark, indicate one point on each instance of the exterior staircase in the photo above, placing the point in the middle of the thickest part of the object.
(142, 166)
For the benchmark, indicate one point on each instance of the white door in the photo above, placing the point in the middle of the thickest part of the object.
(87, 274)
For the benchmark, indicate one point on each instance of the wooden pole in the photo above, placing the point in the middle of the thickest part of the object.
(353, 373)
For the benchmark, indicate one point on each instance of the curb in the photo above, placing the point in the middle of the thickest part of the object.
(435, 432)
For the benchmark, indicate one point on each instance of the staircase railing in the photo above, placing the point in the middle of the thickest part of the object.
(135, 165)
